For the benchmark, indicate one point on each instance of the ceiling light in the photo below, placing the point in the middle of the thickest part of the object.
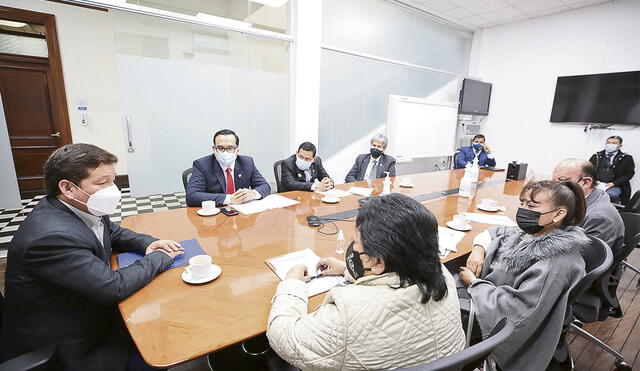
(13, 24)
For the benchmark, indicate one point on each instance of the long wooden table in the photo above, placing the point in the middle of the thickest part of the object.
(172, 322)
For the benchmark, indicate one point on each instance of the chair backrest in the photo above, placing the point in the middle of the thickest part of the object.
(633, 205)
(455, 158)
(471, 357)
(277, 172)
(186, 175)
(597, 260)
(631, 228)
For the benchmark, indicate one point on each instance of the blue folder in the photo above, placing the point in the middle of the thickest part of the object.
(191, 248)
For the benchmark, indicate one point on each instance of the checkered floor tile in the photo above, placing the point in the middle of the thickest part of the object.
(10, 219)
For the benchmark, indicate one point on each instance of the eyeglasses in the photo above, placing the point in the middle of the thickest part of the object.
(226, 149)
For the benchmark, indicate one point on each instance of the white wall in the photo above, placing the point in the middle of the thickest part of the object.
(87, 51)
(523, 60)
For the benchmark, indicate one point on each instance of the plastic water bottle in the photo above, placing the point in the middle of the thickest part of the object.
(386, 189)
(340, 244)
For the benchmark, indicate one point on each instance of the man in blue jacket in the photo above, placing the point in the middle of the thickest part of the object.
(479, 149)
(225, 177)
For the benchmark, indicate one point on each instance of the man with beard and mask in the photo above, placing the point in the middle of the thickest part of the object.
(614, 170)
(479, 149)
(401, 310)
(525, 273)
(225, 177)
(303, 171)
(60, 288)
(374, 164)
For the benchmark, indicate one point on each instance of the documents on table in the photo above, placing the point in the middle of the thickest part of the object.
(448, 239)
(490, 219)
(334, 193)
(267, 203)
(366, 192)
(281, 265)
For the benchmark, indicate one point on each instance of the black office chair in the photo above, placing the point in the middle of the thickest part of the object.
(277, 171)
(186, 175)
(631, 229)
(28, 360)
(633, 205)
(471, 357)
(455, 159)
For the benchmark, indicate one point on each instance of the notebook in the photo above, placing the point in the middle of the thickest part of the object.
(191, 249)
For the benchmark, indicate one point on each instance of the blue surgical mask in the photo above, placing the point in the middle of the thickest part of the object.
(302, 164)
(477, 146)
(226, 159)
(610, 147)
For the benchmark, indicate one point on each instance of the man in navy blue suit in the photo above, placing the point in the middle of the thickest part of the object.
(225, 177)
(479, 149)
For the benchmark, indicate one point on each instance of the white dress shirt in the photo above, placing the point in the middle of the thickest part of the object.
(93, 222)
(370, 166)
(227, 198)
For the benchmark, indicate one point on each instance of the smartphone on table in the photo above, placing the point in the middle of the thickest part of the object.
(229, 211)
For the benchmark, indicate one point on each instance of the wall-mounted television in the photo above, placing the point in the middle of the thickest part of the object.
(606, 98)
(474, 97)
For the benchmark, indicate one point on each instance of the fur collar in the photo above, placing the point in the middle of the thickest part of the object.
(518, 251)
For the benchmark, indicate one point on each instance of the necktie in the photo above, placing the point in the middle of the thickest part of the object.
(609, 158)
(374, 170)
(230, 187)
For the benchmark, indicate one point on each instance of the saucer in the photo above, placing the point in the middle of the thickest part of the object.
(487, 208)
(330, 200)
(202, 213)
(410, 185)
(452, 225)
(213, 274)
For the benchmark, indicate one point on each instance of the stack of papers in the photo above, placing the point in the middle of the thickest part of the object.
(334, 193)
(282, 264)
(366, 192)
(490, 219)
(267, 203)
(448, 240)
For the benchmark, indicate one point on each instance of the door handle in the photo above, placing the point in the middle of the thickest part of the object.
(131, 149)
(56, 134)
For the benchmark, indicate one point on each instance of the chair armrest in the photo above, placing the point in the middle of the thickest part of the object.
(29, 360)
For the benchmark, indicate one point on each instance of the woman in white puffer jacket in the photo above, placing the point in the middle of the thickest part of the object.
(402, 309)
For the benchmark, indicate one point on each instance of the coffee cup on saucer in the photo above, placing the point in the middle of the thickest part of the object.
(488, 204)
(199, 266)
(459, 222)
(208, 208)
(406, 182)
(330, 199)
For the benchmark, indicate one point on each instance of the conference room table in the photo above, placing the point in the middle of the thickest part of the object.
(172, 321)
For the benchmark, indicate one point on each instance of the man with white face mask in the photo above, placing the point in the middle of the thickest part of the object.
(303, 171)
(59, 285)
(225, 177)
(614, 169)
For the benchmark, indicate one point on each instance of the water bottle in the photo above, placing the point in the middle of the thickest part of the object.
(340, 244)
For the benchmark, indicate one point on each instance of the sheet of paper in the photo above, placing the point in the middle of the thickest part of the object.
(448, 240)
(490, 219)
(602, 186)
(366, 192)
(334, 193)
(267, 203)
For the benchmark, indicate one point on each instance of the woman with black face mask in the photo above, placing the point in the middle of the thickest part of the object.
(524, 273)
(401, 310)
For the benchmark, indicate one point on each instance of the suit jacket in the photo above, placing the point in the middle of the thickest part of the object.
(60, 288)
(386, 163)
(466, 155)
(623, 170)
(293, 179)
(208, 181)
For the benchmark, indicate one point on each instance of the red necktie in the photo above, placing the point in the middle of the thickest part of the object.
(230, 187)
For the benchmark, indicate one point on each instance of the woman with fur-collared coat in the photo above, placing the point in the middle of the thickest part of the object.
(525, 273)
(401, 311)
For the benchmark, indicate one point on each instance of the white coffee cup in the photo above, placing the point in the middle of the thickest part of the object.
(460, 220)
(208, 207)
(405, 181)
(199, 266)
(489, 203)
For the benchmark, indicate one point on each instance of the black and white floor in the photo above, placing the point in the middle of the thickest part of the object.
(10, 219)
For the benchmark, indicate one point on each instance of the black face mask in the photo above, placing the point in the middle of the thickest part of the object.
(375, 152)
(528, 220)
(354, 264)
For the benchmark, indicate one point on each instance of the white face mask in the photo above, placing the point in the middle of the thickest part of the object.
(610, 147)
(225, 158)
(103, 202)
(302, 164)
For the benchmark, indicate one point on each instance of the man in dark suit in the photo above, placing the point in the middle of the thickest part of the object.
(479, 149)
(374, 164)
(303, 171)
(59, 285)
(614, 169)
(225, 177)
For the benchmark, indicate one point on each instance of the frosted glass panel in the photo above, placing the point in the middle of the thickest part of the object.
(182, 83)
(23, 45)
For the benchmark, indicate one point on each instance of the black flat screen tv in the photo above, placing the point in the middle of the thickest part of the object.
(607, 98)
(474, 98)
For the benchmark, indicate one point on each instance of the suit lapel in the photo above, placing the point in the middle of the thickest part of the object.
(380, 166)
(217, 171)
(363, 168)
(238, 176)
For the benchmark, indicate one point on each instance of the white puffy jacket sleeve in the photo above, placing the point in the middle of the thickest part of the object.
(307, 340)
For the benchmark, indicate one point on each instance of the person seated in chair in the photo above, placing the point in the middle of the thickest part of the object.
(60, 287)
(614, 170)
(524, 273)
(303, 171)
(401, 310)
(478, 149)
(374, 164)
(225, 177)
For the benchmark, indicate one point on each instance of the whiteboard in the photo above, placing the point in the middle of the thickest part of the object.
(418, 127)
